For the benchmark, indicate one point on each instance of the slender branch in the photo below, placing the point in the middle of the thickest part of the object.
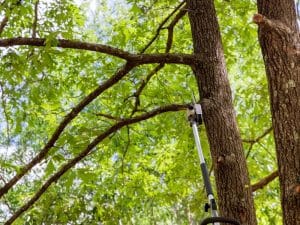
(125, 151)
(263, 182)
(34, 24)
(6, 115)
(140, 59)
(142, 86)
(160, 27)
(109, 116)
(68, 118)
(253, 141)
(171, 28)
(249, 150)
(3, 24)
(89, 148)
(169, 43)
(5, 19)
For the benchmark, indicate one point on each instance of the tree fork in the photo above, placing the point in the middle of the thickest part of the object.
(232, 180)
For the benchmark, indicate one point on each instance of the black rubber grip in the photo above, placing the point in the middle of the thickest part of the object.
(220, 220)
(206, 179)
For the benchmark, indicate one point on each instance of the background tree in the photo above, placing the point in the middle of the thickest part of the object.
(280, 40)
(62, 106)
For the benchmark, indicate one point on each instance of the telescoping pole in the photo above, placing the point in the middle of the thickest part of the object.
(212, 202)
(195, 119)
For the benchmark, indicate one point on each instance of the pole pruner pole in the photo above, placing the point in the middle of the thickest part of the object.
(195, 117)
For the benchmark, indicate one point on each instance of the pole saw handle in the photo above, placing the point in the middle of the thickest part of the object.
(210, 220)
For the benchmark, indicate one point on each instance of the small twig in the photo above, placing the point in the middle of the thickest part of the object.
(109, 116)
(249, 150)
(3, 24)
(126, 149)
(263, 182)
(6, 115)
(253, 141)
(142, 86)
(34, 24)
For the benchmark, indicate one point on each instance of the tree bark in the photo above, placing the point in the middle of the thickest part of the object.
(279, 40)
(230, 169)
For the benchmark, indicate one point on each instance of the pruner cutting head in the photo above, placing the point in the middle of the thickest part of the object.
(194, 114)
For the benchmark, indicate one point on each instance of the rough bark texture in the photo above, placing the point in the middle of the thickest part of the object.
(233, 186)
(279, 40)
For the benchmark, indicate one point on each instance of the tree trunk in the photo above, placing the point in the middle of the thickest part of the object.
(230, 169)
(279, 40)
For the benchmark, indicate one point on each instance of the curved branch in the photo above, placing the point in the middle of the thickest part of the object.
(263, 182)
(160, 27)
(68, 118)
(171, 28)
(6, 17)
(3, 24)
(253, 141)
(89, 148)
(134, 58)
(161, 65)
(142, 86)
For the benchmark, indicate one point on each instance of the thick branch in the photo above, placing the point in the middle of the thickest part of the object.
(68, 118)
(263, 182)
(89, 148)
(134, 58)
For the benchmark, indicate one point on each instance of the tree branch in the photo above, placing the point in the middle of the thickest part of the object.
(161, 65)
(171, 28)
(143, 85)
(5, 19)
(34, 24)
(3, 24)
(6, 115)
(140, 59)
(109, 116)
(160, 27)
(253, 141)
(89, 148)
(68, 118)
(133, 60)
(263, 182)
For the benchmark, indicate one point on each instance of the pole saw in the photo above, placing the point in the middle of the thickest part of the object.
(195, 118)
